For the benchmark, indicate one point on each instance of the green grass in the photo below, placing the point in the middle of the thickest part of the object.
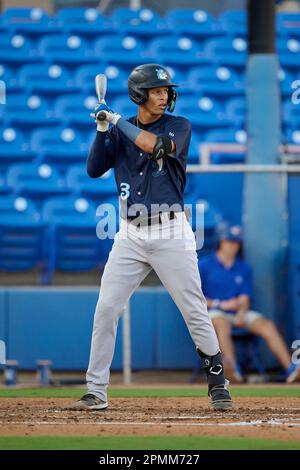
(283, 391)
(143, 443)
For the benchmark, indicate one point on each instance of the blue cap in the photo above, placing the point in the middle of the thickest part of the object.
(233, 233)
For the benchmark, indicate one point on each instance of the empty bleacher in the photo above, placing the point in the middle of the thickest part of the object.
(48, 64)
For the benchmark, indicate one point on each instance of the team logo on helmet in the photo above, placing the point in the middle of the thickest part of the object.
(161, 74)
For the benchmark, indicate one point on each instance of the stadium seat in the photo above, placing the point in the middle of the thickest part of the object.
(236, 111)
(74, 110)
(233, 23)
(288, 23)
(4, 189)
(291, 115)
(14, 148)
(124, 106)
(289, 53)
(142, 23)
(28, 112)
(97, 189)
(32, 22)
(65, 49)
(227, 136)
(197, 23)
(119, 50)
(60, 146)
(86, 22)
(46, 80)
(36, 182)
(231, 52)
(179, 52)
(285, 82)
(202, 112)
(216, 82)
(293, 137)
(116, 76)
(16, 49)
(21, 234)
(72, 241)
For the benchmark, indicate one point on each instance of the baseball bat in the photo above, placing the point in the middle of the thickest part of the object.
(101, 86)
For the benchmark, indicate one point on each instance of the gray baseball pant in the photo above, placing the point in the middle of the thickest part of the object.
(135, 252)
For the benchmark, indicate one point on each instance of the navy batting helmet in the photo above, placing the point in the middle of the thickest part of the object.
(148, 76)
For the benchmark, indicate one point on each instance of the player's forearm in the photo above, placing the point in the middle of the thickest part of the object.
(97, 163)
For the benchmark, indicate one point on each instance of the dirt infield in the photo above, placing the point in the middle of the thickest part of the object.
(271, 418)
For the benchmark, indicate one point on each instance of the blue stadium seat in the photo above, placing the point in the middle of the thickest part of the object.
(285, 82)
(16, 49)
(14, 148)
(73, 244)
(4, 189)
(227, 51)
(216, 82)
(293, 137)
(236, 111)
(86, 22)
(74, 110)
(203, 113)
(227, 136)
(234, 22)
(47, 80)
(179, 52)
(97, 189)
(118, 50)
(142, 23)
(288, 23)
(64, 49)
(291, 115)
(21, 234)
(30, 21)
(116, 76)
(36, 182)
(124, 106)
(194, 149)
(196, 23)
(60, 146)
(289, 53)
(28, 112)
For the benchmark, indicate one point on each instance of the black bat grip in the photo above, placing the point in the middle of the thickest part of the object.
(101, 116)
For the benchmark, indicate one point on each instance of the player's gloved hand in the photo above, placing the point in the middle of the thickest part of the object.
(102, 126)
(112, 117)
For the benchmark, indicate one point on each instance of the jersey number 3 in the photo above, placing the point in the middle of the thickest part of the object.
(125, 190)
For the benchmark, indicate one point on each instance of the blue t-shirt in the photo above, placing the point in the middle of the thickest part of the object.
(220, 282)
(140, 180)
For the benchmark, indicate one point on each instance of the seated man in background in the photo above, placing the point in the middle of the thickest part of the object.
(227, 286)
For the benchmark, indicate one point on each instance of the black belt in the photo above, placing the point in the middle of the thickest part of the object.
(151, 219)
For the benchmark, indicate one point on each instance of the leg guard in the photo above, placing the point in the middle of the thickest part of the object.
(213, 366)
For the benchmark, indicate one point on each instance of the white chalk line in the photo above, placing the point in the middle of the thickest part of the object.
(264, 423)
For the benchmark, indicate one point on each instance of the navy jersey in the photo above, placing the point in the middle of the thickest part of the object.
(220, 282)
(140, 180)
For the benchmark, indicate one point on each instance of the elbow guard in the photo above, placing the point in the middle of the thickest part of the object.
(162, 148)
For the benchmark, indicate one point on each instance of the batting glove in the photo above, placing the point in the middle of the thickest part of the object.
(102, 126)
(112, 117)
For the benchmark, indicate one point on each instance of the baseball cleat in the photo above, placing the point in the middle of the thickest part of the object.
(220, 397)
(89, 402)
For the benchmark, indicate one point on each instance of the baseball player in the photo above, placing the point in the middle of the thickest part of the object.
(149, 153)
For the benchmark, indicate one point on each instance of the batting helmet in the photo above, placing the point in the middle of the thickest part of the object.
(148, 76)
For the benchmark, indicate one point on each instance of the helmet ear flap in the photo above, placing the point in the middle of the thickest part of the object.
(172, 100)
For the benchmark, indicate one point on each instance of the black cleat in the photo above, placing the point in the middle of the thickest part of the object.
(89, 402)
(220, 396)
